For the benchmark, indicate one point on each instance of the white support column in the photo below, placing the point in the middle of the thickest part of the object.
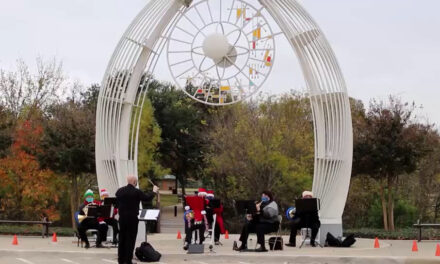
(120, 98)
(330, 106)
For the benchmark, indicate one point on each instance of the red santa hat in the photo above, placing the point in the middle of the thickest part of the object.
(201, 192)
(210, 193)
(104, 192)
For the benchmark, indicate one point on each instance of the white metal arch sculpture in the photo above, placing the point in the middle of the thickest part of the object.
(128, 75)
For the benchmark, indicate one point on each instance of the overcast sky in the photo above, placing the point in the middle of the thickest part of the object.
(383, 46)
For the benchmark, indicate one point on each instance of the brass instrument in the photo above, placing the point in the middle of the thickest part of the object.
(85, 210)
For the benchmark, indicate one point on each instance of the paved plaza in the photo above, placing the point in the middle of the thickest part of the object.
(36, 250)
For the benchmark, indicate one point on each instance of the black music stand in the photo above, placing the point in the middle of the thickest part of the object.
(111, 201)
(246, 207)
(306, 208)
(99, 211)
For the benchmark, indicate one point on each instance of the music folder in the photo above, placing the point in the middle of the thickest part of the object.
(99, 211)
(110, 201)
(246, 206)
(148, 214)
(307, 205)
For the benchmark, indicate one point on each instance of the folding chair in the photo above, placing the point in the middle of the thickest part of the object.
(280, 219)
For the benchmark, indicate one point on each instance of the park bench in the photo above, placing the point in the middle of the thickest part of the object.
(44, 223)
(420, 226)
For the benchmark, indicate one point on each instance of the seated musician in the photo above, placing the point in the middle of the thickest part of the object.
(263, 222)
(90, 222)
(210, 212)
(111, 221)
(311, 220)
(194, 219)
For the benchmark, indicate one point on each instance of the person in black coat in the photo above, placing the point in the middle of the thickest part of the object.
(128, 199)
(265, 221)
(309, 220)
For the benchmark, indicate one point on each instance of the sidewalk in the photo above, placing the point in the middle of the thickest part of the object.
(36, 249)
(169, 224)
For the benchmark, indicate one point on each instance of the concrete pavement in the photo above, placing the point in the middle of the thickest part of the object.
(36, 250)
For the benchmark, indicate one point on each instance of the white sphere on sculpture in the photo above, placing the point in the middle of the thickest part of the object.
(216, 46)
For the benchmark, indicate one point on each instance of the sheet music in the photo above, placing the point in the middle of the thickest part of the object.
(152, 214)
(149, 214)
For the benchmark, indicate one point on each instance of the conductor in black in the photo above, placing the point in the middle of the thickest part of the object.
(128, 198)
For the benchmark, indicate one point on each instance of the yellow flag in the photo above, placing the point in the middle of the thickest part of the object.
(239, 11)
(225, 88)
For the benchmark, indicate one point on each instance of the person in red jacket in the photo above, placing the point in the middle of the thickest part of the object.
(218, 211)
(111, 221)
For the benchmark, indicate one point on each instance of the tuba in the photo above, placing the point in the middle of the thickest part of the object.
(290, 213)
(86, 211)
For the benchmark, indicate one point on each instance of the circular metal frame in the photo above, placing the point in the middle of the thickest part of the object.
(130, 72)
(228, 87)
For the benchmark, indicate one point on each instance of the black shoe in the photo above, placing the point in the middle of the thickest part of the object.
(261, 249)
(115, 241)
(234, 246)
(312, 243)
(87, 245)
(186, 246)
(290, 245)
(243, 247)
(99, 245)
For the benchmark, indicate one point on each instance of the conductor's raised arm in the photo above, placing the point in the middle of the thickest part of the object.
(148, 196)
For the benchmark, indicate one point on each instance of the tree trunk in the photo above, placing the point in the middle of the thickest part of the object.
(182, 183)
(384, 207)
(390, 204)
(73, 198)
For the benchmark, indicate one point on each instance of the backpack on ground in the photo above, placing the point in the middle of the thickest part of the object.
(147, 253)
(278, 241)
(348, 241)
(332, 241)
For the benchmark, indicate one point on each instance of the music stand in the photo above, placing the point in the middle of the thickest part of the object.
(306, 208)
(99, 211)
(111, 201)
(246, 206)
(214, 203)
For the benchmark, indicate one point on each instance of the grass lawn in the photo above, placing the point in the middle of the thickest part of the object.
(168, 199)
(33, 230)
(408, 233)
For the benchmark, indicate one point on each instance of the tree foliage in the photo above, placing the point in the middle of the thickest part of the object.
(263, 146)
(25, 185)
(182, 123)
(388, 144)
(149, 140)
(21, 88)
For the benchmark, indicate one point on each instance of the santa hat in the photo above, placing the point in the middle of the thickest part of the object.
(210, 193)
(187, 208)
(104, 192)
(307, 193)
(202, 192)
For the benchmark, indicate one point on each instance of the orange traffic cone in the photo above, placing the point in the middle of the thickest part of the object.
(414, 247)
(15, 240)
(437, 252)
(179, 235)
(376, 243)
(54, 237)
(226, 234)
